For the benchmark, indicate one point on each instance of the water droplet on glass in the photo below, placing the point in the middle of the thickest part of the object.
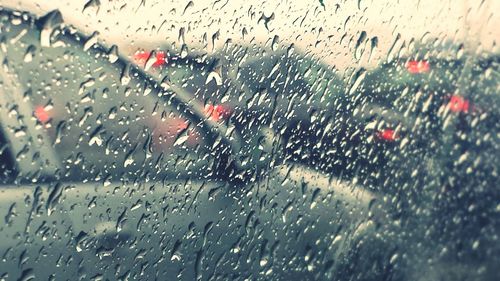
(92, 5)
(113, 54)
(90, 41)
(189, 5)
(175, 253)
(275, 42)
(120, 222)
(184, 51)
(30, 53)
(95, 137)
(151, 60)
(48, 23)
(27, 275)
(125, 75)
(216, 75)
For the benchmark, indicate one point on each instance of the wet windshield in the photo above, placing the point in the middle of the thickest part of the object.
(229, 140)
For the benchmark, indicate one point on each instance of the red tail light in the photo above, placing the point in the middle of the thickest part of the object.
(142, 57)
(415, 66)
(217, 112)
(387, 135)
(41, 114)
(459, 104)
(160, 59)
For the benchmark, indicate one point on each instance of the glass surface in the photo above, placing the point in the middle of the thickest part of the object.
(232, 140)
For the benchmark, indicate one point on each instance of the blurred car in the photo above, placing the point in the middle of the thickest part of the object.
(293, 95)
(444, 115)
(355, 128)
(421, 129)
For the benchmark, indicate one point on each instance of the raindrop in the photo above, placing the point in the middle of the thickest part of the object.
(125, 76)
(314, 197)
(189, 5)
(392, 50)
(274, 44)
(165, 83)
(181, 39)
(120, 222)
(359, 76)
(30, 53)
(150, 61)
(129, 159)
(184, 51)
(10, 214)
(264, 254)
(95, 137)
(358, 51)
(322, 3)
(112, 113)
(27, 274)
(59, 131)
(206, 231)
(20, 132)
(92, 5)
(85, 85)
(142, 221)
(113, 54)
(175, 254)
(48, 23)
(16, 21)
(198, 264)
(215, 37)
(90, 41)
(286, 210)
(81, 241)
(266, 20)
(373, 46)
(290, 49)
(54, 196)
(99, 277)
(181, 138)
(215, 74)
(136, 206)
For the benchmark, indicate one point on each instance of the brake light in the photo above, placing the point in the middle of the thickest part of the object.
(387, 135)
(41, 114)
(166, 132)
(458, 104)
(160, 59)
(142, 57)
(217, 112)
(415, 66)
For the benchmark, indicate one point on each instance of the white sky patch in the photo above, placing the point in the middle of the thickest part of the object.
(329, 33)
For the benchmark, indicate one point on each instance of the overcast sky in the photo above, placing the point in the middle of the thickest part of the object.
(330, 32)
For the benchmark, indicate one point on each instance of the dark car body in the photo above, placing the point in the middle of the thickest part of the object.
(354, 127)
